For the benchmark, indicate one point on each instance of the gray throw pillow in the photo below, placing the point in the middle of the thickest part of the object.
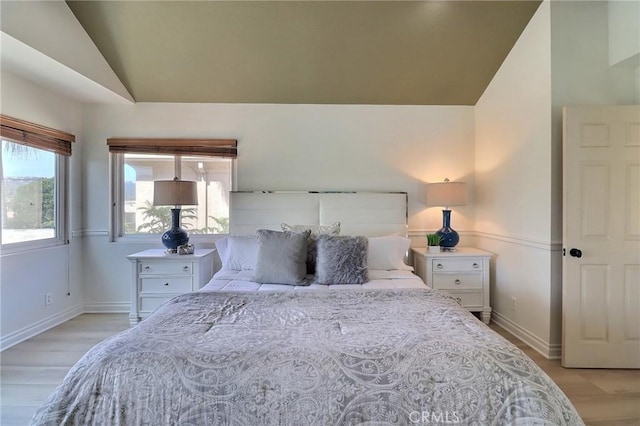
(341, 260)
(281, 257)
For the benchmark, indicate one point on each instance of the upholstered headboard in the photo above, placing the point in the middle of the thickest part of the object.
(359, 213)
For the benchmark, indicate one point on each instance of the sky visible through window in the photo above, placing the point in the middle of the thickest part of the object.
(28, 193)
(26, 162)
(129, 173)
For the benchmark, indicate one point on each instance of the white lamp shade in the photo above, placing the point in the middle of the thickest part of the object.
(446, 194)
(175, 193)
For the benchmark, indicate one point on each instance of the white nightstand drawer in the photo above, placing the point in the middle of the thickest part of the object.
(467, 299)
(457, 281)
(166, 285)
(457, 265)
(149, 304)
(158, 276)
(464, 273)
(166, 268)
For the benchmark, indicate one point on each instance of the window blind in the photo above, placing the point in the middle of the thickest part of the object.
(208, 147)
(35, 135)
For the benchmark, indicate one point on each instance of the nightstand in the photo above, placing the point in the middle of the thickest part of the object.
(157, 277)
(463, 273)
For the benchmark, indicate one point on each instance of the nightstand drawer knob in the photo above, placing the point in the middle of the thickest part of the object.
(147, 268)
(185, 268)
(166, 284)
(475, 265)
(458, 282)
(439, 266)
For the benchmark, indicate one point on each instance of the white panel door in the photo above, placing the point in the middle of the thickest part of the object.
(601, 237)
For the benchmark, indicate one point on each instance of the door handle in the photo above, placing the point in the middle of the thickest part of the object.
(574, 252)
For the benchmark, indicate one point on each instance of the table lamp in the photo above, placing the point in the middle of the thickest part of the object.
(175, 193)
(446, 194)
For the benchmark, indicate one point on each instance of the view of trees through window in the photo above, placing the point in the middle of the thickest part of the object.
(213, 177)
(28, 193)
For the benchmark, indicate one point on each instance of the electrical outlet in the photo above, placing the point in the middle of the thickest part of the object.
(513, 303)
(48, 299)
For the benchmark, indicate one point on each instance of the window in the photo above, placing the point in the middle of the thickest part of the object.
(33, 168)
(135, 168)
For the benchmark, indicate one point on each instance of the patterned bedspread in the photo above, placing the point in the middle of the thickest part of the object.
(308, 358)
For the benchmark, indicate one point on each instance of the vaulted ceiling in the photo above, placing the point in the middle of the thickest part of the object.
(315, 52)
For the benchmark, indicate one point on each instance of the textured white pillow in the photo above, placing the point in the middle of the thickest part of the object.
(333, 229)
(239, 252)
(387, 253)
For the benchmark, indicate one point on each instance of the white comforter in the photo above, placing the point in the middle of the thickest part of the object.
(234, 280)
(383, 357)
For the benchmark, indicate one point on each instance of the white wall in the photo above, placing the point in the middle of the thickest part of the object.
(561, 58)
(624, 33)
(282, 147)
(52, 29)
(581, 74)
(513, 184)
(581, 46)
(580, 50)
(26, 277)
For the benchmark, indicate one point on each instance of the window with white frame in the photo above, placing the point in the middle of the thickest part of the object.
(136, 164)
(33, 168)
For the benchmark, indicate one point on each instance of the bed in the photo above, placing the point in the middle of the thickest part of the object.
(361, 343)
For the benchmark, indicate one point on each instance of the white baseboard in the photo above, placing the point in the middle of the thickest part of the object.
(107, 308)
(546, 349)
(555, 350)
(39, 327)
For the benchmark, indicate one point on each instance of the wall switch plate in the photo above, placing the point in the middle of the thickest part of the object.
(48, 299)
(513, 303)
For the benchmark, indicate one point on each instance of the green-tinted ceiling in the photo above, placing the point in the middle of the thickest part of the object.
(335, 52)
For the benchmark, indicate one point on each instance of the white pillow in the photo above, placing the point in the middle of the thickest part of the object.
(333, 229)
(239, 252)
(387, 253)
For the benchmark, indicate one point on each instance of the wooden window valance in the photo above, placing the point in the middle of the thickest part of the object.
(35, 135)
(209, 147)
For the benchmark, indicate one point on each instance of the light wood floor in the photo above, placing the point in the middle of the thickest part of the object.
(31, 370)
(602, 397)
